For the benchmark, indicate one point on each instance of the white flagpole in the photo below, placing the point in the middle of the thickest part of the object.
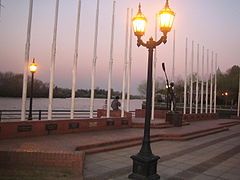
(154, 71)
(125, 66)
(0, 7)
(206, 110)
(215, 85)
(211, 85)
(191, 85)
(26, 62)
(74, 70)
(202, 83)
(238, 96)
(173, 65)
(93, 75)
(110, 62)
(52, 68)
(196, 110)
(129, 65)
(185, 80)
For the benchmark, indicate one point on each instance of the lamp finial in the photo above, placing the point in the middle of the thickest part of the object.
(139, 8)
(166, 5)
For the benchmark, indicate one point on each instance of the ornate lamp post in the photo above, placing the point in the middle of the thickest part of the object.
(32, 68)
(145, 162)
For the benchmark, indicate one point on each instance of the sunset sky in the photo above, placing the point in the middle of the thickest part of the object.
(211, 23)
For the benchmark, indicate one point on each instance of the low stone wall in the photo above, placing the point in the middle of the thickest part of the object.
(235, 117)
(46, 127)
(198, 117)
(140, 113)
(103, 113)
(72, 162)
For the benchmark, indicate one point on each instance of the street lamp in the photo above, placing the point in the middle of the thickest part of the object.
(226, 96)
(145, 162)
(32, 68)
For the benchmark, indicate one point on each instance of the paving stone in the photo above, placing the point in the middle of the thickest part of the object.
(177, 158)
(204, 177)
(229, 176)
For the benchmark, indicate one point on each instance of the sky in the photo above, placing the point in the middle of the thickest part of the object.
(213, 24)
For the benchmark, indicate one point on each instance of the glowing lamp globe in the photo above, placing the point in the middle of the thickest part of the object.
(166, 18)
(33, 67)
(139, 23)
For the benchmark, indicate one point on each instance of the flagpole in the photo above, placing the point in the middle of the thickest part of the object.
(94, 61)
(110, 62)
(26, 62)
(211, 85)
(185, 80)
(191, 85)
(196, 110)
(173, 65)
(238, 95)
(52, 67)
(125, 66)
(0, 8)
(154, 72)
(215, 85)
(74, 70)
(129, 65)
(202, 80)
(206, 110)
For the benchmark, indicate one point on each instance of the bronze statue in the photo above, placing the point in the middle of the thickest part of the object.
(170, 89)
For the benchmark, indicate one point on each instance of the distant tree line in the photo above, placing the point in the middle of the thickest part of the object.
(226, 82)
(11, 86)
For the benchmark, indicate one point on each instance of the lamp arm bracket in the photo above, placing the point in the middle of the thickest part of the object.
(163, 39)
(151, 43)
(140, 42)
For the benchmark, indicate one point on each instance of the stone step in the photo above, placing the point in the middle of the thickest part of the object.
(231, 123)
(192, 132)
(124, 143)
(196, 135)
(121, 145)
(157, 125)
(141, 125)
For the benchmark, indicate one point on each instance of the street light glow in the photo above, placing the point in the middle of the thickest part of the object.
(33, 67)
(166, 18)
(139, 23)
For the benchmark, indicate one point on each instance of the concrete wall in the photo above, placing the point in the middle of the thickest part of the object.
(47, 127)
(103, 113)
(140, 113)
(198, 117)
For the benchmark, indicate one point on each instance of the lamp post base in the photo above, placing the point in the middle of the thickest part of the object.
(144, 167)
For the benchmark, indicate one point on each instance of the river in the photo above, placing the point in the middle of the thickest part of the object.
(60, 103)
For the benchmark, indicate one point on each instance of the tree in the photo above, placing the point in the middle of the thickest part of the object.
(228, 82)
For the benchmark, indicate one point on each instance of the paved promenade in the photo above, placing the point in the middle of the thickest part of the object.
(215, 156)
(212, 157)
(68, 142)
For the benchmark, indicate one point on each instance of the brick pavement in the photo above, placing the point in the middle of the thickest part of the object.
(213, 157)
(117, 164)
(68, 142)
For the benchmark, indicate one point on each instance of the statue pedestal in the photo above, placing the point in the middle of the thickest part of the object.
(174, 118)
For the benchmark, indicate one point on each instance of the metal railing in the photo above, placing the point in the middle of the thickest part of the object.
(15, 115)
